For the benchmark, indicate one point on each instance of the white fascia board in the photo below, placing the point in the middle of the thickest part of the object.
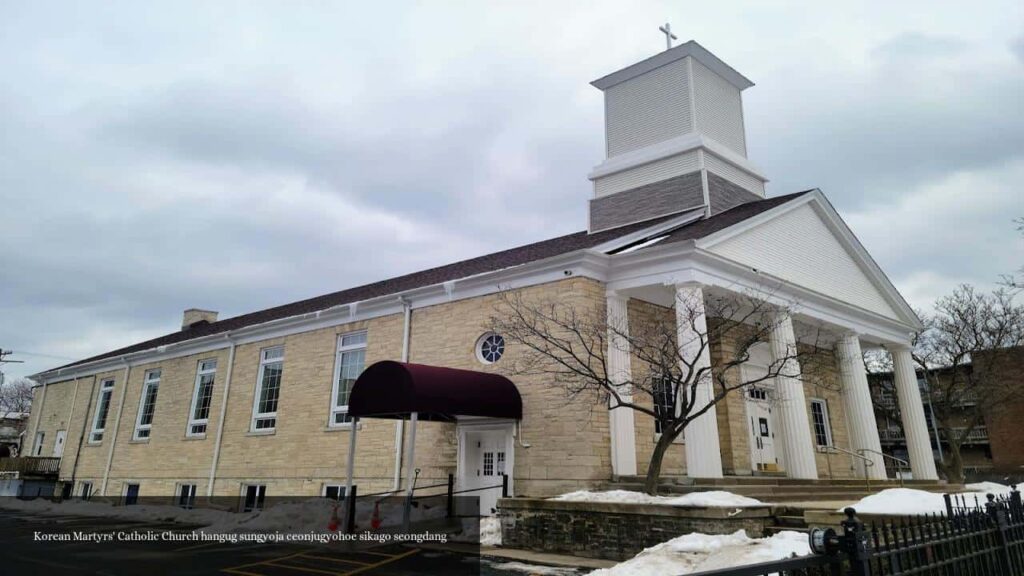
(672, 147)
(663, 228)
(685, 262)
(586, 263)
(846, 238)
(690, 48)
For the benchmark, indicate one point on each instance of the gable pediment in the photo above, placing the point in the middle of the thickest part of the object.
(807, 244)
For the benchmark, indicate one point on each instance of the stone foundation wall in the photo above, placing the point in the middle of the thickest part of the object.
(610, 530)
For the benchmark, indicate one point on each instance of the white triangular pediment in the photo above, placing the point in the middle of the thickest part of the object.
(808, 245)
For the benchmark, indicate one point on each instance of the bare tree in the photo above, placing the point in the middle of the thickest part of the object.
(569, 345)
(968, 353)
(16, 396)
(1016, 281)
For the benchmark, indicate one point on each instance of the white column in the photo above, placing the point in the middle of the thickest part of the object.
(860, 412)
(703, 451)
(790, 402)
(922, 463)
(621, 425)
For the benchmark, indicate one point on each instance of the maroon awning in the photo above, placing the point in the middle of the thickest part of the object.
(390, 389)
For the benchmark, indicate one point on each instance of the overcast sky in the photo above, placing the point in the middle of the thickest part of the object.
(159, 157)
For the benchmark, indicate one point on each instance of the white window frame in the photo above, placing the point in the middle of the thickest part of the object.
(827, 423)
(257, 505)
(203, 368)
(106, 387)
(681, 439)
(37, 445)
(183, 487)
(328, 485)
(340, 352)
(270, 355)
(152, 379)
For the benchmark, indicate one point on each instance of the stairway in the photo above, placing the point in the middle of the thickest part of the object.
(789, 497)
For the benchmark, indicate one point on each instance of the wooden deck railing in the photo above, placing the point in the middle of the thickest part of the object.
(31, 466)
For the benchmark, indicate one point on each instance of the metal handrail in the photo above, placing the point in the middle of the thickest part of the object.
(901, 463)
(867, 461)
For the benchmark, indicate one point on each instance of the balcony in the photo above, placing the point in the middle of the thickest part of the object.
(31, 466)
(977, 436)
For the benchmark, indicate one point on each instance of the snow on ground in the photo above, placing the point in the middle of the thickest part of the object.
(532, 569)
(900, 501)
(490, 531)
(695, 499)
(697, 552)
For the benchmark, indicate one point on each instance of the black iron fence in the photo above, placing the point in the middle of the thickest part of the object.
(972, 538)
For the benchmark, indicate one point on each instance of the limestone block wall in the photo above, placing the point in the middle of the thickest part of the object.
(567, 437)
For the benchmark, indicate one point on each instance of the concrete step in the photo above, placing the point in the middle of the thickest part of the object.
(770, 530)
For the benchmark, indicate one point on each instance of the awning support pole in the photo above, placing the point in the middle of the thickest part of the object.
(410, 464)
(349, 496)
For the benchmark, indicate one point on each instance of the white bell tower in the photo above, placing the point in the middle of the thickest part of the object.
(674, 139)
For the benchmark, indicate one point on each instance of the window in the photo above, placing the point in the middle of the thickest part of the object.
(819, 420)
(99, 421)
(187, 495)
(131, 494)
(86, 490)
(348, 365)
(147, 405)
(199, 413)
(490, 347)
(334, 491)
(268, 389)
(252, 497)
(37, 447)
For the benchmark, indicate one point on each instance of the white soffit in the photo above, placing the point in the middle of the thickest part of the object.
(691, 48)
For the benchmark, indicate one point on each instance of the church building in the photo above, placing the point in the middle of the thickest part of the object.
(258, 404)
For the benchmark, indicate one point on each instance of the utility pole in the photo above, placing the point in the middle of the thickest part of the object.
(3, 360)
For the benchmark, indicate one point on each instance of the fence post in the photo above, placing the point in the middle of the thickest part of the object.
(855, 544)
(949, 505)
(504, 485)
(1015, 504)
(998, 516)
(350, 513)
(451, 495)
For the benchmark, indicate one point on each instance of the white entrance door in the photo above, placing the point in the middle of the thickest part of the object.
(486, 459)
(58, 445)
(762, 430)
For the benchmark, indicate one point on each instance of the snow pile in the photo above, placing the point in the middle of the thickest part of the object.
(490, 531)
(711, 498)
(532, 569)
(697, 552)
(900, 501)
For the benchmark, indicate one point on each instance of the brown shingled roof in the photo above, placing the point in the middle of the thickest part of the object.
(479, 265)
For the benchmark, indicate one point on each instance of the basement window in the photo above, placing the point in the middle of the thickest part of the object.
(199, 412)
(147, 405)
(268, 389)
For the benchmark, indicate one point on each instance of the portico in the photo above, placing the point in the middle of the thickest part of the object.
(801, 425)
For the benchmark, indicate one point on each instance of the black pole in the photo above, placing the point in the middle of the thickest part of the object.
(855, 544)
(451, 495)
(350, 514)
(504, 485)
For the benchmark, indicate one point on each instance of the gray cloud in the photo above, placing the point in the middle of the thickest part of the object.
(165, 156)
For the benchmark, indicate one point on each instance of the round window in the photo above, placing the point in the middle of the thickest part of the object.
(490, 347)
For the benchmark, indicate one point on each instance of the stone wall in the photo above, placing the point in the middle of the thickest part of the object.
(611, 530)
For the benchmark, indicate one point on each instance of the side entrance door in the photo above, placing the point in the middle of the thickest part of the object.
(58, 445)
(486, 460)
(762, 430)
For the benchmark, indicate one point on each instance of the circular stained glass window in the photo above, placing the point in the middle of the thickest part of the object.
(490, 347)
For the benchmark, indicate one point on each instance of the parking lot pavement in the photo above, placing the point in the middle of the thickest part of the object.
(27, 551)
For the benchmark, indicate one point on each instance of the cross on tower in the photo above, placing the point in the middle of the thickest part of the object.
(669, 36)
